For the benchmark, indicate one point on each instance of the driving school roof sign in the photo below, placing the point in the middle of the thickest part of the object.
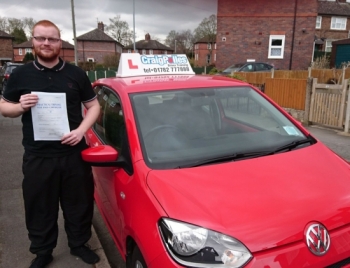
(134, 64)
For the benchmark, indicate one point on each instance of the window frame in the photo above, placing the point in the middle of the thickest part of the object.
(334, 23)
(20, 52)
(318, 22)
(274, 37)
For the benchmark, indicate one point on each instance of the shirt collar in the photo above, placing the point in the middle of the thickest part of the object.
(58, 67)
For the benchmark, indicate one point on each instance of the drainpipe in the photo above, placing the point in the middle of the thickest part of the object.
(292, 48)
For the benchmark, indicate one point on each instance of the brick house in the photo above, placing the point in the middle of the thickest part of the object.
(20, 50)
(6, 51)
(332, 23)
(148, 46)
(205, 52)
(96, 44)
(278, 32)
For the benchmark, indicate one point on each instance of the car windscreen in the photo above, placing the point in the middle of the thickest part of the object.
(184, 127)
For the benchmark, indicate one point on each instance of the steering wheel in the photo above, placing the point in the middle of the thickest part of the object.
(166, 137)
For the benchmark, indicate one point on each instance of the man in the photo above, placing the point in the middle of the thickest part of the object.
(54, 172)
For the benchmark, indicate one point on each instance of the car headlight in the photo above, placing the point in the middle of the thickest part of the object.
(194, 246)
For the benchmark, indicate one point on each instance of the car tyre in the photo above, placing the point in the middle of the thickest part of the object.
(137, 260)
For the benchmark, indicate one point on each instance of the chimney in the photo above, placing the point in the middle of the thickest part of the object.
(100, 26)
(147, 37)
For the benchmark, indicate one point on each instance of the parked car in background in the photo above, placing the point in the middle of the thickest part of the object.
(206, 171)
(248, 67)
(5, 73)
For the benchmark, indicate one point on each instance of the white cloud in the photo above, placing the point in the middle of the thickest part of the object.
(156, 17)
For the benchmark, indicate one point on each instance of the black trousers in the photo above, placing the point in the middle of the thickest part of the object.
(48, 183)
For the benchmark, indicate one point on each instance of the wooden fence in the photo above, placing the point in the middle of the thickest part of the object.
(330, 76)
(288, 93)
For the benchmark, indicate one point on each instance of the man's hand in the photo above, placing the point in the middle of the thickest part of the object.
(72, 138)
(28, 100)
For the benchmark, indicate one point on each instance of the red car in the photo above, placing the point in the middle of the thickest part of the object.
(207, 171)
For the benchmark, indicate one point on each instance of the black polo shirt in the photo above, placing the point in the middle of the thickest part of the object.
(63, 78)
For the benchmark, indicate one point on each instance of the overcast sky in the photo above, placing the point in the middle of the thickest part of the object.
(156, 17)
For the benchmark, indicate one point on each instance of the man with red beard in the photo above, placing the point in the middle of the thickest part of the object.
(54, 172)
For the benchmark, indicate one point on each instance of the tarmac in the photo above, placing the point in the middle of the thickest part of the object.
(14, 243)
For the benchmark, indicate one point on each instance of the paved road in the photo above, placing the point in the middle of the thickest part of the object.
(13, 238)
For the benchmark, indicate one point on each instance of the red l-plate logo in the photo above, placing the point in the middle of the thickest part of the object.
(131, 66)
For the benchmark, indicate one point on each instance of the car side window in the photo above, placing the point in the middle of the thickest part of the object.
(110, 125)
(261, 67)
(248, 68)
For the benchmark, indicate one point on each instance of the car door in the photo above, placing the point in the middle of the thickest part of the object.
(110, 129)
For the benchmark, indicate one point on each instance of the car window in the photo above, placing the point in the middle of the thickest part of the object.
(182, 126)
(248, 68)
(110, 125)
(261, 67)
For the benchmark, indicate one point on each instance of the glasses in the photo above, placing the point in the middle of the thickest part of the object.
(42, 39)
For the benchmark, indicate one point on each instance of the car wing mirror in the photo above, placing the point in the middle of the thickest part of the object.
(103, 155)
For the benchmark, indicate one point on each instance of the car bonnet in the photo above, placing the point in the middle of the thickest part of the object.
(264, 202)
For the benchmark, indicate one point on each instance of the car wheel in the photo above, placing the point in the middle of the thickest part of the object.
(137, 260)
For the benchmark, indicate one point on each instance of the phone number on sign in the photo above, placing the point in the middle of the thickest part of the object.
(166, 70)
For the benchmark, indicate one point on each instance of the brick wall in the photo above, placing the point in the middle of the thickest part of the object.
(247, 26)
(201, 51)
(326, 32)
(95, 50)
(6, 50)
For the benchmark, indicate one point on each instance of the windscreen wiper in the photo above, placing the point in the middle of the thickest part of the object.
(294, 144)
(226, 158)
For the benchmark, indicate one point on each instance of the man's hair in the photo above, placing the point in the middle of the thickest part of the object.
(46, 23)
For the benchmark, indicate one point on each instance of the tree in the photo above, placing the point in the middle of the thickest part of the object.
(183, 40)
(111, 60)
(28, 57)
(207, 29)
(120, 31)
(9, 25)
(19, 36)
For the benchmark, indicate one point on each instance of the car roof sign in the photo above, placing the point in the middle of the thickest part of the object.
(134, 64)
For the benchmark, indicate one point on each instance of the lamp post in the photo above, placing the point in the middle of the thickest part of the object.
(133, 15)
(175, 47)
(74, 35)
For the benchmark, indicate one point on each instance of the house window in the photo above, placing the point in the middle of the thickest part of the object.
(338, 23)
(196, 57)
(209, 46)
(318, 22)
(28, 50)
(20, 51)
(328, 47)
(276, 46)
(151, 51)
(196, 46)
(208, 59)
(143, 51)
(129, 50)
(90, 59)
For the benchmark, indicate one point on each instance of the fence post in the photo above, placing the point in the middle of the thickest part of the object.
(312, 102)
(272, 72)
(347, 116)
(95, 75)
(342, 104)
(308, 101)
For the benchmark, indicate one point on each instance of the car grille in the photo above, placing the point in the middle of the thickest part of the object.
(340, 264)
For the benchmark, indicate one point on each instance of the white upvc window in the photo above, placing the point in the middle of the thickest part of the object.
(318, 22)
(215, 46)
(338, 23)
(209, 46)
(20, 51)
(276, 46)
(143, 51)
(151, 51)
(129, 50)
(28, 50)
(328, 47)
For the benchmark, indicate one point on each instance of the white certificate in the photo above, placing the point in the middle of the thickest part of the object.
(49, 116)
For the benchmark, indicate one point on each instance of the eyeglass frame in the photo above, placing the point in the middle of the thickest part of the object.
(51, 40)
